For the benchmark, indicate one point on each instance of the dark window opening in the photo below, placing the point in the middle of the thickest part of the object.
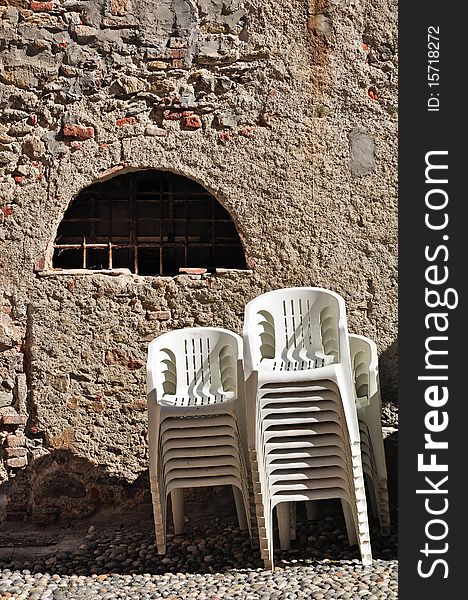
(151, 222)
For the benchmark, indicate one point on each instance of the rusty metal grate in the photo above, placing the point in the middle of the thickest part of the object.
(151, 222)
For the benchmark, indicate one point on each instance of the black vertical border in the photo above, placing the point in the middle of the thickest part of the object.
(422, 131)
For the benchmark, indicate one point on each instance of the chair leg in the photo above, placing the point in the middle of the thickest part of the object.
(361, 505)
(292, 520)
(282, 512)
(177, 501)
(312, 509)
(384, 511)
(372, 496)
(240, 508)
(350, 524)
(159, 523)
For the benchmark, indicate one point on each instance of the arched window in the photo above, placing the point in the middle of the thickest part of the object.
(151, 222)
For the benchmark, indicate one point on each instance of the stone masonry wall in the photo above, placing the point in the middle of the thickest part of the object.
(284, 111)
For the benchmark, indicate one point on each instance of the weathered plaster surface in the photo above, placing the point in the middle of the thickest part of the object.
(286, 112)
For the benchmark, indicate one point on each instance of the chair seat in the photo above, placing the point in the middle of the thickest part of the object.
(196, 400)
(303, 363)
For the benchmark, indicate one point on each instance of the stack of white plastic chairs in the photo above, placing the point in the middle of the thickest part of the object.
(196, 412)
(303, 432)
(364, 362)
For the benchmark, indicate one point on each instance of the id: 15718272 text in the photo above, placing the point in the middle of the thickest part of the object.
(433, 75)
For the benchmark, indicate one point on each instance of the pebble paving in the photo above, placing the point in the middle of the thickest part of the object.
(210, 561)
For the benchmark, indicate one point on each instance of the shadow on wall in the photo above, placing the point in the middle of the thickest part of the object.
(61, 486)
(388, 370)
(391, 455)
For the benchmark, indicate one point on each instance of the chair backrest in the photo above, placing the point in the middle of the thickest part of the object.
(194, 363)
(364, 365)
(294, 324)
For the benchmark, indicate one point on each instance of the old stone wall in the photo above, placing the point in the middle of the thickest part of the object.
(284, 111)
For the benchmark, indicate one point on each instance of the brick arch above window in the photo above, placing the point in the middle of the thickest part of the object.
(151, 222)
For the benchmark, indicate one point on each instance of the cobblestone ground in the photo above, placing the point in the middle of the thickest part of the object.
(116, 558)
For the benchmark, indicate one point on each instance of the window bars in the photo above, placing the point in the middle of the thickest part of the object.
(151, 222)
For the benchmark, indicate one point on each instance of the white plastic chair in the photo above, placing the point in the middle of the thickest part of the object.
(196, 420)
(314, 457)
(296, 352)
(364, 359)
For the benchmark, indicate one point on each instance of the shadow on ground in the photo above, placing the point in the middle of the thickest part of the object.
(123, 542)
